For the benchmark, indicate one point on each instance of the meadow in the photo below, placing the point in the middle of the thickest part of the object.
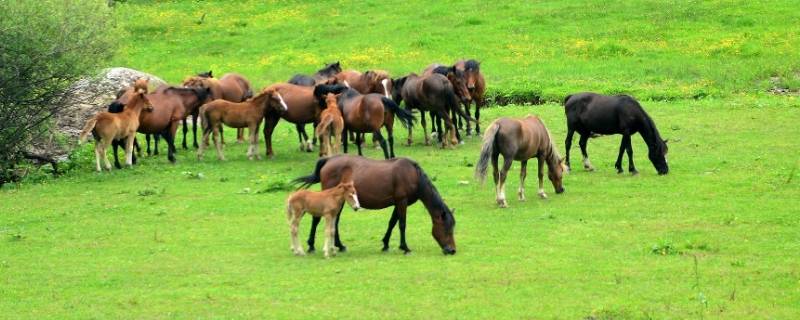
(717, 237)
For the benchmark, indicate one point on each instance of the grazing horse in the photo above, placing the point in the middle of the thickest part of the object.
(432, 93)
(320, 77)
(231, 87)
(331, 123)
(367, 114)
(303, 107)
(519, 140)
(458, 80)
(594, 114)
(247, 114)
(107, 127)
(398, 182)
(476, 85)
(327, 204)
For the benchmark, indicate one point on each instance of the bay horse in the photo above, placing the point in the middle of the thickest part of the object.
(594, 114)
(320, 77)
(231, 87)
(519, 139)
(247, 114)
(432, 93)
(322, 204)
(331, 123)
(476, 85)
(304, 106)
(458, 80)
(398, 182)
(367, 113)
(107, 127)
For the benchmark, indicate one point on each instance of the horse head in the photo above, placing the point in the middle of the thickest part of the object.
(379, 81)
(274, 100)
(459, 80)
(658, 156)
(555, 172)
(397, 87)
(471, 70)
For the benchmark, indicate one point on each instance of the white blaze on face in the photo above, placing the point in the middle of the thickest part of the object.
(356, 205)
(346, 84)
(385, 82)
(283, 103)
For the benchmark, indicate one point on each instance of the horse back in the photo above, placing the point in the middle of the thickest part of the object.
(379, 183)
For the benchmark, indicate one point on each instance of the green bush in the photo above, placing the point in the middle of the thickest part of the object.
(44, 47)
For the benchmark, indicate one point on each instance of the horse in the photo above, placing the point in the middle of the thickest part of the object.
(519, 139)
(248, 114)
(107, 127)
(331, 123)
(593, 114)
(458, 80)
(432, 93)
(476, 85)
(320, 77)
(398, 182)
(169, 105)
(231, 87)
(371, 81)
(367, 114)
(327, 204)
(304, 106)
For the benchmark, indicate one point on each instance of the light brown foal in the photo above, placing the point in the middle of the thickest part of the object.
(326, 203)
(331, 123)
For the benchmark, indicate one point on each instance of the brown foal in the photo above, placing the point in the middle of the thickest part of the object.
(331, 123)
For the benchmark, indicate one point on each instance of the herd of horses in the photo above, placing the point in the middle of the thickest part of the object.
(346, 105)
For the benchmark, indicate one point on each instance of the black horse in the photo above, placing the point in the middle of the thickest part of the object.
(321, 76)
(594, 114)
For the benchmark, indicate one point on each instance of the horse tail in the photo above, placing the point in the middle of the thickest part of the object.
(313, 178)
(487, 150)
(88, 128)
(204, 119)
(323, 125)
(406, 118)
(452, 104)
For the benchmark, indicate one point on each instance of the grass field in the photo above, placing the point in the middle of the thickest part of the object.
(717, 237)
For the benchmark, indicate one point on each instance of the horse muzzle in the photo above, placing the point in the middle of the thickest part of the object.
(560, 190)
(447, 250)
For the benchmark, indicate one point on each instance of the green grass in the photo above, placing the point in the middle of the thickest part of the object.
(716, 238)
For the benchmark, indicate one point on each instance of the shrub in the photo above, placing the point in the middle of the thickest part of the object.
(45, 46)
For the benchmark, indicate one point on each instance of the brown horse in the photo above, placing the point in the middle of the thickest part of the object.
(321, 77)
(372, 81)
(458, 80)
(519, 140)
(247, 114)
(107, 127)
(367, 113)
(170, 105)
(432, 93)
(231, 87)
(476, 84)
(330, 124)
(303, 107)
(326, 204)
(397, 182)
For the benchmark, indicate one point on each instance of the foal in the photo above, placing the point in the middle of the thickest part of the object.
(107, 127)
(246, 114)
(331, 123)
(325, 203)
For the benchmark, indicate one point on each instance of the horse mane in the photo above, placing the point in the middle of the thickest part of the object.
(200, 93)
(649, 131)
(329, 69)
(472, 65)
(426, 189)
(443, 70)
(350, 92)
(115, 107)
(552, 153)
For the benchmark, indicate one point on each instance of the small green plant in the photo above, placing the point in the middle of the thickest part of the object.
(150, 191)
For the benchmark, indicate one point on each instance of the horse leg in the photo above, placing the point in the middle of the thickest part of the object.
(147, 141)
(501, 187)
(312, 233)
(329, 231)
(293, 216)
(169, 137)
(156, 137)
(458, 126)
(218, 144)
(345, 136)
(336, 240)
(618, 164)
(586, 164)
(129, 150)
(254, 137)
(97, 149)
(390, 133)
(568, 144)
(401, 216)
(185, 130)
(314, 137)
(629, 147)
(301, 135)
(382, 142)
(424, 128)
(137, 148)
(478, 105)
(114, 145)
(439, 128)
(105, 155)
(240, 135)
(469, 125)
(541, 179)
(358, 143)
(388, 235)
(523, 171)
(194, 129)
(453, 133)
(269, 127)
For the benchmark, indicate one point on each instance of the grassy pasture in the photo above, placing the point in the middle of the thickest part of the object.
(716, 238)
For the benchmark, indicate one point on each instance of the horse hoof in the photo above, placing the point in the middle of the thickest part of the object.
(502, 203)
(542, 195)
(385, 248)
(342, 249)
(311, 250)
(634, 173)
(300, 253)
(590, 169)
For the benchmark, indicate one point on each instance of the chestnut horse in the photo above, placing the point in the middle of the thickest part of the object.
(367, 114)
(519, 140)
(590, 114)
(303, 107)
(320, 77)
(331, 123)
(248, 114)
(476, 85)
(432, 93)
(398, 182)
(231, 87)
(326, 204)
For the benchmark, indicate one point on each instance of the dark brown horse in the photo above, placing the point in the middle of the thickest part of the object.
(519, 140)
(367, 114)
(592, 114)
(303, 107)
(432, 93)
(476, 85)
(320, 77)
(231, 87)
(397, 182)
